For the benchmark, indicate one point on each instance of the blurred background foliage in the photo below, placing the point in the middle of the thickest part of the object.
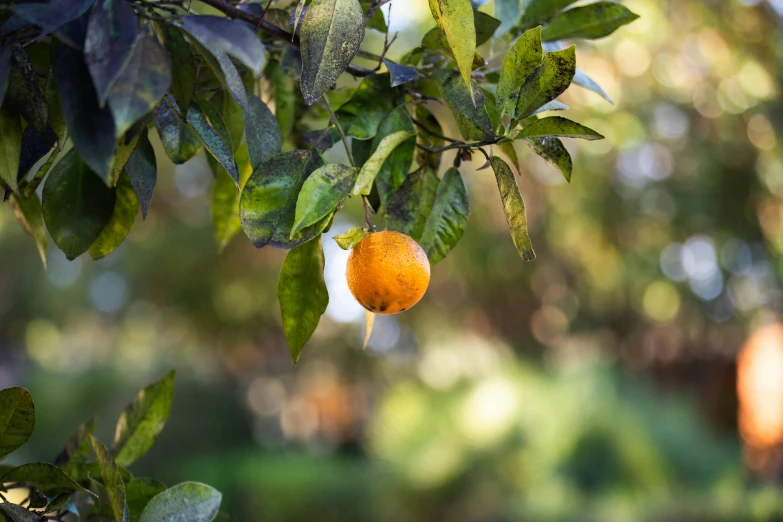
(598, 382)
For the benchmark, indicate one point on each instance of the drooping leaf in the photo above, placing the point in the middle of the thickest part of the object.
(35, 145)
(372, 101)
(592, 21)
(513, 207)
(409, 206)
(283, 96)
(469, 111)
(142, 421)
(24, 93)
(126, 206)
(183, 66)
(77, 205)
(225, 198)
(559, 127)
(15, 513)
(141, 84)
(261, 131)
(397, 164)
(232, 37)
(552, 150)
(522, 59)
(78, 450)
(45, 477)
(212, 140)
(111, 33)
(332, 31)
(373, 165)
(267, 206)
(538, 11)
(138, 494)
(179, 140)
(508, 12)
(212, 111)
(548, 81)
(225, 71)
(351, 237)
(17, 419)
(29, 214)
(302, 294)
(583, 80)
(400, 74)
(455, 18)
(53, 14)
(10, 147)
(189, 501)
(376, 20)
(91, 128)
(321, 193)
(112, 480)
(446, 222)
(142, 172)
(486, 26)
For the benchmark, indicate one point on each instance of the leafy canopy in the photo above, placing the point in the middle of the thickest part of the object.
(83, 83)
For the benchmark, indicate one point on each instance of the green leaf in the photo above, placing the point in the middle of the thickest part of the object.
(112, 480)
(400, 74)
(284, 97)
(73, 458)
(183, 66)
(538, 11)
(261, 131)
(142, 171)
(554, 105)
(322, 193)
(351, 237)
(189, 501)
(141, 84)
(10, 147)
(29, 214)
(77, 205)
(47, 478)
(17, 513)
(393, 171)
(24, 93)
(51, 15)
(111, 33)
(548, 81)
(369, 105)
(455, 18)
(213, 112)
(298, 14)
(447, 220)
(35, 145)
(589, 21)
(332, 31)
(225, 71)
(55, 116)
(142, 421)
(552, 150)
(409, 207)
(223, 35)
(90, 127)
(267, 206)
(324, 139)
(373, 165)
(138, 494)
(522, 59)
(302, 294)
(583, 80)
(428, 138)
(469, 111)
(508, 12)
(513, 207)
(213, 138)
(126, 206)
(179, 140)
(560, 127)
(225, 199)
(17, 419)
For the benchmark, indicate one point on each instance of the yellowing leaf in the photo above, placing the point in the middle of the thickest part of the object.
(513, 207)
(373, 165)
(455, 17)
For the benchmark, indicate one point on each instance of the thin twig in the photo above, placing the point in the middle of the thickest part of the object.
(263, 15)
(432, 133)
(459, 145)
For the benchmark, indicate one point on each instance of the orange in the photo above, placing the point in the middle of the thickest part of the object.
(388, 272)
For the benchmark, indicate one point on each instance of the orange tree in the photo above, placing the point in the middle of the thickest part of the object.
(84, 82)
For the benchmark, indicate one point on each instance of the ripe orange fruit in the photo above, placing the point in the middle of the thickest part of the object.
(388, 272)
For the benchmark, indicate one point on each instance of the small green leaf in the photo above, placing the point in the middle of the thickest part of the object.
(409, 206)
(10, 147)
(183, 66)
(302, 294)
(332, 31)
(112, 481)
(429, 137)
(142, 421)
(583, 80)
(17, 419)
(560, 127)
(369, 105)
(468, 110)
(142, 171)
(138, 494)
(397, 165)
(179, 140)
(589, 21)
(548, 81)
(77, 205)
(298, 14)
(455, 18)
(513, 207)
(351, 237)
(261, 131)
(213, 138)
(126, 206)
(447, 220)
(538, 11)
(16, 513)
(375, 162)
(552, 150)
(190, 501)
(24, 94)
(73, 458)
(321, 193)
(47, 478)
(225, 199)
(29, 214)
(522, 59)
(284, 97)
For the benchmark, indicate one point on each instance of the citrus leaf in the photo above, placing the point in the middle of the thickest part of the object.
(554, 105)
(322, 140)
(513, 207)
(297, 15)
(321, 193)
(212, 139)
(522, 59)
(17, 419)
(560, 127)
(261, 131)
(508, 12)
(332, 31)
(284, 97)
(51, 15)
(400, 73)
(225, 71)
(409, 206)
(348, 239)
(142, 171)
(548, 81)
(24, 92)
(302, 294)
(45, 477)
(552, 150)
(29, 214)
(428, 138)
(369, 105)
(468, 110)
(112, 480)
(16, 513)
(77, 205)
(225, 199)
(223, 35)
(183, 66)
(138, 494)
(589, 21)
(373, 165)
(35, 145)
(396, 166)
(538, 11)
(179, 140)
(142, 421)
(78, 450)
(455, 18)
(5, 69)
(126, 206)
(446, 222)
(10, 147)
(583, 80)
(189, 501)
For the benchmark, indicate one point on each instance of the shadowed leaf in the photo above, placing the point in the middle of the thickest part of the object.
(369, 105)
(400, 73)
(111, 33)
(16, 513)
(47, 478)
(112, 480)
(179, 141)
(469, 111)
(212, 140)
(447, 220)
(552, 150)
(409, 206)
(126, 206)
(138, 494)
(28, 212)
(373, 165)
(538, 11)
(225, 198)
(224, 35)
(284, 97)
(397, 164)
(53, 14)
(508, 12)
(261, 131)
(142, 171)
(5, 69)
(10, 147)
(78, 450)
(183, 66)
(24, 92)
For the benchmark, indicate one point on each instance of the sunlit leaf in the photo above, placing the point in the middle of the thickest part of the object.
(548, 81)
(189, 501)
(348, 239)
(559, 127)
(112, 480)
(513, 207)
(373, 165)
(10, 147)
(17, 419)
(592, 21)
(552, 150)
(126, 206)
(321, 193)
(29, 214)
(522, 59)
(372, 101)
(446, 222)
(455, 18)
